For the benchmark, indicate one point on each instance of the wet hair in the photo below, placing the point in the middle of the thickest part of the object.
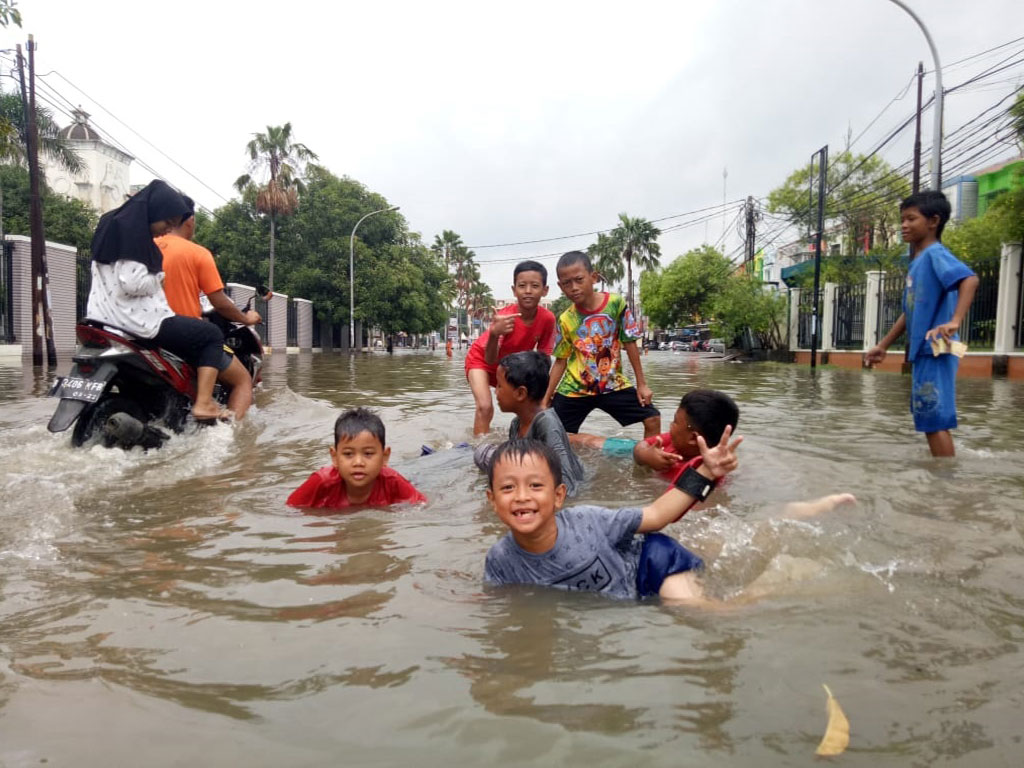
(531, 266)
(517, 450)
(930, 203)
(528, 369)
(357, 420)
(566, 260)
(710, 412)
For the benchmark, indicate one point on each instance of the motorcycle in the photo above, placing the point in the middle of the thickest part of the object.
(121, 387)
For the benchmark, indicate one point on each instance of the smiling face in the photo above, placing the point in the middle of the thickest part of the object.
(525, 498)
(916, 227)
(359, 461)
(577, 283)
(684, 436)
(529, 289)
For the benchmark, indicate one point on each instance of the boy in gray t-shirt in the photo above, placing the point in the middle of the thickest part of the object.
(591, 548)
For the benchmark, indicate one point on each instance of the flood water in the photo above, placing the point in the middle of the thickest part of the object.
(168, 609)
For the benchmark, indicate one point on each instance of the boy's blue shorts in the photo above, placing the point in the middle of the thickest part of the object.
(618, 446)
(660, 557)
(933, 393)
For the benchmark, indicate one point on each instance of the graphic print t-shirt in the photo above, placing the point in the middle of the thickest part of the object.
(596, 551)
(930, 296)
(592, 342)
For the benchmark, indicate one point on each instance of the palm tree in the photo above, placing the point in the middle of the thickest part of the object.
(445, 246)
(638, 239)
(276, 153)
(606, 258)
(13, 142)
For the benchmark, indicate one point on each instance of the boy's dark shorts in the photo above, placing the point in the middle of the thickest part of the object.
(622, 405)
(933, 393)
(660, 557)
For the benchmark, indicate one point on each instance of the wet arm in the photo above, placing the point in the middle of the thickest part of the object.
(491, 350)
(557, 370)
(226, 308)
(669, 507)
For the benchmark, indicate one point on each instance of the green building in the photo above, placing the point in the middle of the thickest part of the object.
(996, 179)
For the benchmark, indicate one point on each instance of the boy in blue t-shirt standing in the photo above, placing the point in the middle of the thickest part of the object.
(938, 294)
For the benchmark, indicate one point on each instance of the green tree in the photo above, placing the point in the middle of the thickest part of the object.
(863, 196)
(637, 239)
(559, 305)
(65, 220)
(684, 291)
(14, 142)
(281, 159)
(9, 13)
(606, 258)
(743, 303)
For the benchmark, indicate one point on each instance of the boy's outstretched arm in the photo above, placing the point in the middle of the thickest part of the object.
(965, 289)
(654, 455)
(557, 370)
(670, 506)
(877, 353)
(643, 392)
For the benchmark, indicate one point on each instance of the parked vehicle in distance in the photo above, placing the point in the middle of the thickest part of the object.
(678, 346)
(716, 345)
(663, 346)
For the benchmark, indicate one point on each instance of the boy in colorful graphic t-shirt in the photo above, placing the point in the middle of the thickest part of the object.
(591, 335)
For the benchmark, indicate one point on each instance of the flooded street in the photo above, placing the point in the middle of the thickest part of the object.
(168, 609)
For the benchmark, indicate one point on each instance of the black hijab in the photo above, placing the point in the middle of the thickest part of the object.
(123, 233)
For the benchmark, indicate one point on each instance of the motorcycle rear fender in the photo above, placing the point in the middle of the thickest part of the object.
(69, 410)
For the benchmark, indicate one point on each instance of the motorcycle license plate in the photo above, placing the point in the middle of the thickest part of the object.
(74, 388)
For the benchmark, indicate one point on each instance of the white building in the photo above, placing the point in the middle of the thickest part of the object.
(103, 182)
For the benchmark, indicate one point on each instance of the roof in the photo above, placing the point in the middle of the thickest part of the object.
(998, 166)
(80, 130)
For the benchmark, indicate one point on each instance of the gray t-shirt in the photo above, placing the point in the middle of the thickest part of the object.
(596, 551)
(547, 427)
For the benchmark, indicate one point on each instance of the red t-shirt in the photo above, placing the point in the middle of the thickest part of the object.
(326, 490)
(539, 335)
(666, 445)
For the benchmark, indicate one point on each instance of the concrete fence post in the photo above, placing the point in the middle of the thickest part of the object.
(1006, 298)
(827, 332)
(277, 333)
(794, 319)
(872, 286)
(304, 323)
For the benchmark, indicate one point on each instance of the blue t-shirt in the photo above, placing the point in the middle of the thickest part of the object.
(930, 296)
(596, 551)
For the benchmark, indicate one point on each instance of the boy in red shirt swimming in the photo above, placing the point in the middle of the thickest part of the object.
(520, 328)
(358, 473)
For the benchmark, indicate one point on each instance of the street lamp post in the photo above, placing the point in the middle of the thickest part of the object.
(352, 277)
(937, 130)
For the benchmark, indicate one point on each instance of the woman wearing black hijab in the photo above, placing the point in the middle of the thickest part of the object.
(127, 287)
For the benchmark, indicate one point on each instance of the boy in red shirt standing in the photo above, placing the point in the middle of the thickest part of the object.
(358, 473)
(520, 328)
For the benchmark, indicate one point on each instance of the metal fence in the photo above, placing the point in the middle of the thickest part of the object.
(848, 316)
(292, 325)
(317, 322)
(805, 319)
(978, 329)
(890, 306)
(260, 305)
(7, 334)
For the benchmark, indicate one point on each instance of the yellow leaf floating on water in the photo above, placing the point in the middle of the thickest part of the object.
(837, 733)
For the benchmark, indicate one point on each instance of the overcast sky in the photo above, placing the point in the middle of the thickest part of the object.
(511, 122)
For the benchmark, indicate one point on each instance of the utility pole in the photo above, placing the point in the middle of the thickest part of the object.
(917, 131)
(42, 324)
(822, 155)
(750, 229)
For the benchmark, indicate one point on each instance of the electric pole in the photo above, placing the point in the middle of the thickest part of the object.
(750, 230)
(42, 324)
(917, 131)
(822, 155)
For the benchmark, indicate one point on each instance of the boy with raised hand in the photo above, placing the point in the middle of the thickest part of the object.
(358, 474)
(587, 373)
(593, 549)
(702, 412)
(525, 326)
(936, 298)
(522, 382)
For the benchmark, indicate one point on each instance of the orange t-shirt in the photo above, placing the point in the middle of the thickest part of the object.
(188, 269)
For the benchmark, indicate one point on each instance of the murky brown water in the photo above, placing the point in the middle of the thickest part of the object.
(168, 609)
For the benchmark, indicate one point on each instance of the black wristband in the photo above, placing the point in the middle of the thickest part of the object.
(694, 483)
